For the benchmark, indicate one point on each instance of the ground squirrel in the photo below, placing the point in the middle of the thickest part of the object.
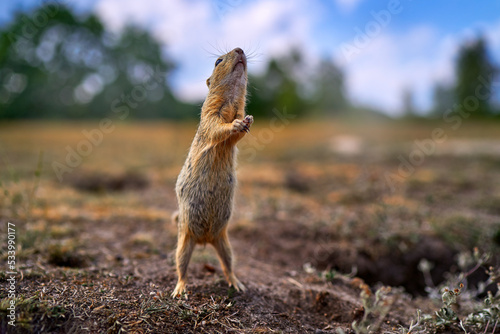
(205, 186)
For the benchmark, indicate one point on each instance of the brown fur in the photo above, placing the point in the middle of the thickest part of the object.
(205, 186)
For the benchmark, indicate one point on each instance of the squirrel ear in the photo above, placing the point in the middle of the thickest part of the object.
(208, 82)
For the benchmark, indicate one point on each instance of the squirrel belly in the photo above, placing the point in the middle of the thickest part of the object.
(205, 192)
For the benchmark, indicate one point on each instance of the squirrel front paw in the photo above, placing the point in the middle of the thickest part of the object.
(242, 125)
(248, 120)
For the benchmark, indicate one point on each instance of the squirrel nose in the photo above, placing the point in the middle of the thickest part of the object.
(239, 51)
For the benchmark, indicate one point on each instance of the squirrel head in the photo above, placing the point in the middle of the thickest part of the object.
(229, 77)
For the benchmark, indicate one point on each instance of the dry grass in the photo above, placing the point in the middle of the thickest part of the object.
(96, 250)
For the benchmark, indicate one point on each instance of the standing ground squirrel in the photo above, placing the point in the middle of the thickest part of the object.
(205, 186)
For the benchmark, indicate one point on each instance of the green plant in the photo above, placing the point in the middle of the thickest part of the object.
(489, 312)
(446, 315)
(419, 327)
(375, 307)
(485, 314)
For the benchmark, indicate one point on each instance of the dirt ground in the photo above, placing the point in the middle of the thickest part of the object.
(326, 214)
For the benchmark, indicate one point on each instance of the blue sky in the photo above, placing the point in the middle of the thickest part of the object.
(384, 47)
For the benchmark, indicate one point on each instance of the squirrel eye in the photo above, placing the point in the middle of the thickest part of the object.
(218, 61)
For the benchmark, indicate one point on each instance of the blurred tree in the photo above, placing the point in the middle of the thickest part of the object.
(328, 91)
(302, 90)
(475, 73)
(278, 88)
(54, 65)
(443, 98)
(408, 103)
(260, 101)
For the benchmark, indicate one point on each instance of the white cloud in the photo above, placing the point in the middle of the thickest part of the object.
(391, 63)
(415, 60)
(492, 33)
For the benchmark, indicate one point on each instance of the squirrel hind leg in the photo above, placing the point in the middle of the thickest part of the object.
(183, 254)
(223, 248)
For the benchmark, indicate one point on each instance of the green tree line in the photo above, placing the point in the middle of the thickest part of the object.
(56, 65)
(473, 92)
(53, 65)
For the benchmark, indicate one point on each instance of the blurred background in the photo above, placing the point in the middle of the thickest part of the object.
(375, 153)
(83, 59)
